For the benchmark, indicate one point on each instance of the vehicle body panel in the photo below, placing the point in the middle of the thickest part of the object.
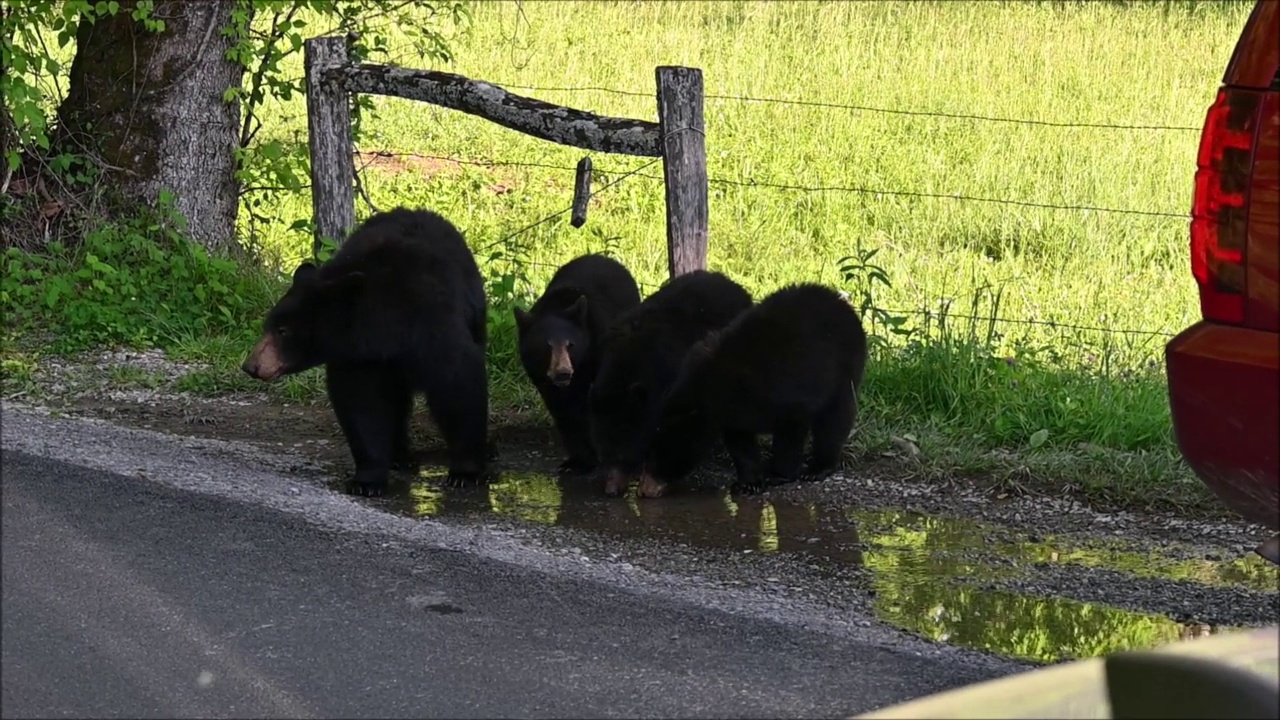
(1224, 395)
(1224, 380)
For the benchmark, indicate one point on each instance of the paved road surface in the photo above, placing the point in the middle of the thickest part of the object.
(128, 597)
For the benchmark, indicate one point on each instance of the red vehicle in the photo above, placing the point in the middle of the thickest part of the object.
(1224, 371)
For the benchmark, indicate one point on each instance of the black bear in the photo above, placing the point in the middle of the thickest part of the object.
(791, 365)
(559, 344)
(642, 354)
(399, 309)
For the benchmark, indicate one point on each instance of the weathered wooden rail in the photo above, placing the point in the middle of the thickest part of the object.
(678, 137)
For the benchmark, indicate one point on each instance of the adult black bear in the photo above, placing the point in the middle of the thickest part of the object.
(560, 344)
(399, 309)
(790, 365)
(642, 355)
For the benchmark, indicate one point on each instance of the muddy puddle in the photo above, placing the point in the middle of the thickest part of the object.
(929, 575)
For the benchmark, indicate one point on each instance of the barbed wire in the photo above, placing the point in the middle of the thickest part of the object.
(870, 109)
(953, 116)
(558, 213)
(938, 314)
(944, 315)
(752, 183)
(948, 315)
(947, 196)
(483, 163)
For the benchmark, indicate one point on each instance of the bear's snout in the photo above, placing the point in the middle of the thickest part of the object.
(560, 373)
(264, 362)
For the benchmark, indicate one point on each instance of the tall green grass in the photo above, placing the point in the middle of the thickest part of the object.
(1059, 374)
(1077, 63)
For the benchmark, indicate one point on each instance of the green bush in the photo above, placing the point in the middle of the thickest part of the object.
(135, 282)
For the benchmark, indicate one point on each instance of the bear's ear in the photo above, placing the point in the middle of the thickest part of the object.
(578, 311)
(305, 273)
(638, 392)
(523, 319)
(352, 282)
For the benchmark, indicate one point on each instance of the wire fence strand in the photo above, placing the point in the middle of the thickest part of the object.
(948, 315)
(636, 172)
(753, 183)
(558, 213)
(871, 109)
(620, 175)
(948, 196)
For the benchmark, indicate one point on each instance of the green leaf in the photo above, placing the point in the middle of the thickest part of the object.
(272, 150)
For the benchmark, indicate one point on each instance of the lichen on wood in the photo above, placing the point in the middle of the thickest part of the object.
(554, 123)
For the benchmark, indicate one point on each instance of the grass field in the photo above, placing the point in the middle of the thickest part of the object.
(1028, 396)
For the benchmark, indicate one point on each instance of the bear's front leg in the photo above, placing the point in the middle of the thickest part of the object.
(787, 459)
(459, 404)
(746, 461)
(569, 414)
(369, 419)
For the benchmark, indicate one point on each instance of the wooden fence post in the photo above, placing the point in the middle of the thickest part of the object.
(333, 168)
(684, 165)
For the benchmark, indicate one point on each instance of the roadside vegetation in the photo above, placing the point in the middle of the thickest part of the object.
(1018, 323)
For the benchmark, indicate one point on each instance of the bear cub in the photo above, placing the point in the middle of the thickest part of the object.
(399, 309)
(791, 366)
(642, 355)
(559, 338)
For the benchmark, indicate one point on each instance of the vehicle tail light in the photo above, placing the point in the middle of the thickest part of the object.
(1219, 214)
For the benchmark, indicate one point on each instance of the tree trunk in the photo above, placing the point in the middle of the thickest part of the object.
(150, 104)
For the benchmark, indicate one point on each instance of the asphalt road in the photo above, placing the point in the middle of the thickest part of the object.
(132, 597)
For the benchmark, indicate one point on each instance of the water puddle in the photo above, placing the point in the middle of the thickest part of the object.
(930, 575)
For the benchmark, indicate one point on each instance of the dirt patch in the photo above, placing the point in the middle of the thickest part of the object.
(425, 166)
(138, 389)
(396, 163)
(298, 426)
(524, 449)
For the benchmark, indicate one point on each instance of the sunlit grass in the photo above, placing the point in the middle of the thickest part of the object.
(1076, 63)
